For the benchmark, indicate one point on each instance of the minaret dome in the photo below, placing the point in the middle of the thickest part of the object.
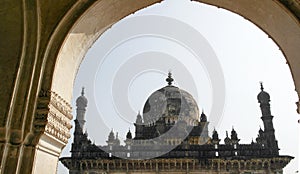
(263, 96)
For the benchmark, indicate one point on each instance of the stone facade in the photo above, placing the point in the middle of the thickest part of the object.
(172, 136)
(39, 50)
(52, 126)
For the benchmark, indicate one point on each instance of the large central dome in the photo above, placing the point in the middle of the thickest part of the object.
(170, 101)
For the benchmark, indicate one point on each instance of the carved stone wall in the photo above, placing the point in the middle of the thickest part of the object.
(179, 166)
(59, 118)
(53, 122)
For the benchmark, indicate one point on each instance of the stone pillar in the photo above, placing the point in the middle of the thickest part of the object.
(56, 133)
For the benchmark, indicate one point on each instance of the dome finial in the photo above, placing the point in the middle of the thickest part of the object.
(169, 79)
(261, 86)
(82, 91)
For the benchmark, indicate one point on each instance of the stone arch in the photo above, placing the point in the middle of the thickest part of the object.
(279, 23)
(276, 20)
(44, 56)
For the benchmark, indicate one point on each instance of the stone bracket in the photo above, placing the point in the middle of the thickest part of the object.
(53, 116)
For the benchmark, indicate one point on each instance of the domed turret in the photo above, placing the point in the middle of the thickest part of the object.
(263, 97)
(81, 104)
(111, 136)
(139, 119)
(203, 117)
(215, 137)
(170, 101)
(129, 135)
(234, 137)
(81, 101)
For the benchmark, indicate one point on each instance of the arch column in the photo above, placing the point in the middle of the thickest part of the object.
(30, 118)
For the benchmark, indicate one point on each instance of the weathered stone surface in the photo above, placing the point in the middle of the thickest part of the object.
(38, 45)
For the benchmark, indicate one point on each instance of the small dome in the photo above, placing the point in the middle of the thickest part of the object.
(111, 136)
(203, 117)
(139, 119)
(263, 97)
(81, 101)
(168, 101)
(215, 135)
(234, 135)
(129, 135)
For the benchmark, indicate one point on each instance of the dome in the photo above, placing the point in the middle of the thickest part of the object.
(263, 97)
(170, 101)
(129, 135)
(81, 101)
(203, 117)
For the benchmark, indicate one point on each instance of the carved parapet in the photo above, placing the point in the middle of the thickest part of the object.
(180, 165)
(59, 118)
(53, 116)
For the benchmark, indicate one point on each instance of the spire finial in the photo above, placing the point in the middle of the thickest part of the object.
(169, 79)
(261, 86)
(226, 133)
(82, 91)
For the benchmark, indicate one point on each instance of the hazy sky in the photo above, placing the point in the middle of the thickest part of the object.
(131, 60)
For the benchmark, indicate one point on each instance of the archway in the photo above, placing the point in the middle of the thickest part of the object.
(45, 55)
(88, 38)
(279, 24)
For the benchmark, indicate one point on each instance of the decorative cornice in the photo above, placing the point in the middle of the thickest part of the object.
(53, 116)
(178, 164)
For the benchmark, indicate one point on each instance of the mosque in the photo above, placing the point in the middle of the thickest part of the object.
(171, 136)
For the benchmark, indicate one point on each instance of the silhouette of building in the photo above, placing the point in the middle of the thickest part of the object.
(172, 137)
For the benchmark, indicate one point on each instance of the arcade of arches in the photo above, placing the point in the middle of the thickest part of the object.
(42, 45)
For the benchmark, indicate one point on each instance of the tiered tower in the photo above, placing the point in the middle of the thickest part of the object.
(81, 104)
(268, 134)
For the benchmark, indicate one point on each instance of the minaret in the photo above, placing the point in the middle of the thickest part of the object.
(81, 104)
(269, 132)
(138, 126)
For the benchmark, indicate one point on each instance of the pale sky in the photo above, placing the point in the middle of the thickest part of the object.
(131, 60)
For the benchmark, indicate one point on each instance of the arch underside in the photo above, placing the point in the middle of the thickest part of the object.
(279, 23)
(44, 44)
